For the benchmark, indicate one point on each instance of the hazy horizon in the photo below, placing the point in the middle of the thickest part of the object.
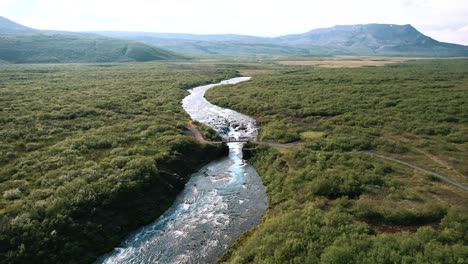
(444, 21)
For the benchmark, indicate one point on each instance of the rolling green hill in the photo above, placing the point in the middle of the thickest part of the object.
(41, 48)
(20, 44)
(208, 45)
(221, 48)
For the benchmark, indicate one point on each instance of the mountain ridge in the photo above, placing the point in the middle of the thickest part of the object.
(359, 39)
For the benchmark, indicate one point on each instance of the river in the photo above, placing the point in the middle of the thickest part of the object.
(219, 202)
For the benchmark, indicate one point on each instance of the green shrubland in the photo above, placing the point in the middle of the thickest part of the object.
(413, 105)
(330, 202)
(91, 152)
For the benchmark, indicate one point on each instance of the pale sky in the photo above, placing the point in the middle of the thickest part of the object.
(443, 20)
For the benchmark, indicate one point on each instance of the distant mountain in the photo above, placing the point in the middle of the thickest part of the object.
(368, 39)
(382, 39)
(370, 35)
(20, 44)
(181, 36)
(208, 45)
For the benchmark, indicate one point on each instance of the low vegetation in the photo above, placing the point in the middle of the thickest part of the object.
(91, 152)
(411, 107)
(332, 203)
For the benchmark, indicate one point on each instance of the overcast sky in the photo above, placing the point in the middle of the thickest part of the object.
(444, 20)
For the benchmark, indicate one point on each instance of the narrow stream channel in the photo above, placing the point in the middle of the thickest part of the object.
(219, 203)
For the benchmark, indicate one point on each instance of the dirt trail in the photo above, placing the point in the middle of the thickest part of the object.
(458, 184)
(196, 133)
(440, 162)
(199, 137)
(279, 145)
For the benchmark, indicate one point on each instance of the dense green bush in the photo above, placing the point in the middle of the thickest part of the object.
(331, 203)
(91, 152)
(399, 212)
(303, 227)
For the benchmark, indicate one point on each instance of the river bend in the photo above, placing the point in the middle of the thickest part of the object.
(219, 202)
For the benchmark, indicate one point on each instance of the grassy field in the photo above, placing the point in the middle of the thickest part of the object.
(345, 61)
(330, 202)
(91, 152)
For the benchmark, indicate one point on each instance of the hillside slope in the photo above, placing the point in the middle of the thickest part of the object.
(9, 27)
(21, 44)
(41, 48)
(208, 45)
